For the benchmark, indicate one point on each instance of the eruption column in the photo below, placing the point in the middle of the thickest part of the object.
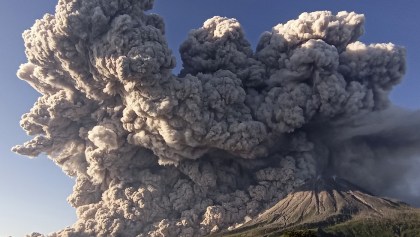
(158, 154)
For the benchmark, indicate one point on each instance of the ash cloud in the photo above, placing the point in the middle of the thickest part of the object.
(158, 154)
(380, 151)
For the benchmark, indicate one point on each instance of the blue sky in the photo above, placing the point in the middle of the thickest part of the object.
(33, 191)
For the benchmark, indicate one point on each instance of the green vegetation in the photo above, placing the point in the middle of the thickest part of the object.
(403, 224)
(300, 233)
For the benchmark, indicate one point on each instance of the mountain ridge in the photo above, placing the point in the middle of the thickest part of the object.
(324, 203)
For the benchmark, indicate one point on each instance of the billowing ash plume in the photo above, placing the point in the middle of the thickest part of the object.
(158, 154)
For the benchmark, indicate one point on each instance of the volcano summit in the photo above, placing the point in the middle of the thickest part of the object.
(159, 154)
(334, 205)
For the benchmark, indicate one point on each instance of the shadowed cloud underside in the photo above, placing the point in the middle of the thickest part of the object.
(159, 154)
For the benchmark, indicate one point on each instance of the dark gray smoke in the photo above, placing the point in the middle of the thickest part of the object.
(379, 151)
(158, 154)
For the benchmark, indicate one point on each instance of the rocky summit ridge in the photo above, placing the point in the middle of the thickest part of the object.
(326, 202)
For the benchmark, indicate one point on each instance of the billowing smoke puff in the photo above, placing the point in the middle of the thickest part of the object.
(156, 154)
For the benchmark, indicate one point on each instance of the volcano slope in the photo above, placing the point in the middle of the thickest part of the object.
(330, 206)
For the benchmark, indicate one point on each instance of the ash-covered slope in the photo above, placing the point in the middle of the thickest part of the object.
(157, 154)
(323, 202)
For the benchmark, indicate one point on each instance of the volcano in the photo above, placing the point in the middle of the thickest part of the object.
(331, 206)
(154, 152)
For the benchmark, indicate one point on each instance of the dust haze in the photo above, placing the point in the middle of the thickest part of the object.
(159, 154)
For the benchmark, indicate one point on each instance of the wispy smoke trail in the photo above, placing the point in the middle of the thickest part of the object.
(158, 154)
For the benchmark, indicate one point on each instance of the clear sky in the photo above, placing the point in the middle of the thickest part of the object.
(33, 191)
